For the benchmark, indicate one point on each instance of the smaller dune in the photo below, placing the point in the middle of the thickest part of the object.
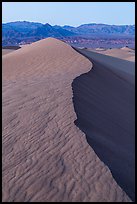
(6, 51)
(132, 58)
(100, 49)
(122, 53)
(126, 49)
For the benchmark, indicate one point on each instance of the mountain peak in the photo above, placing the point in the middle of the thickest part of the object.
(47, 24)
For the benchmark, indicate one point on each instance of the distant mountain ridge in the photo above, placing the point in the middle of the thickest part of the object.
(93, 28)
(17, 32)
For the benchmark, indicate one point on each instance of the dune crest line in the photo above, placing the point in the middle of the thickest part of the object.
(45, 156)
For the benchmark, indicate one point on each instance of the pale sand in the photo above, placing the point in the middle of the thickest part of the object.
(45, 156)
(100, 49)
(126, 49)
(131, 58)
(104, 102)
(122, 53)
(6, 51)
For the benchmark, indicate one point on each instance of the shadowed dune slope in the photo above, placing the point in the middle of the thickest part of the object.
(45, 156)
(105, 106)
(126, 69)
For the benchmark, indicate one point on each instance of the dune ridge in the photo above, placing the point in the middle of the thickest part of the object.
(45, 156)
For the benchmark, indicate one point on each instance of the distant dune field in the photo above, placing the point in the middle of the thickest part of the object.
(46, 157)
(6, 51)
(122, 53)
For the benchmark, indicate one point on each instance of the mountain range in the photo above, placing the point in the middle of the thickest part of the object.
(17, 32)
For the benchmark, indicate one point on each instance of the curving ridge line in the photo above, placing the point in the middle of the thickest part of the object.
(46, 158)
(104, 104)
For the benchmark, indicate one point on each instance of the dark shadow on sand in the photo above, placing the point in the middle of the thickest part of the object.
(105, 107)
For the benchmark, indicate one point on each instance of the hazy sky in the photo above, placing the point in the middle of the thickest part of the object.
(70, 13)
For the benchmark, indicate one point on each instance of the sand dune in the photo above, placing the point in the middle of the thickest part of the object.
(45, 156)
(105, 106)
(127, 49)
(100, 49)
(131, 58)
(122, 53)
(6, 51)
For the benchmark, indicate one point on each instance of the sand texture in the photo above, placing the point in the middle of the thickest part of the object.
(46, 157)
